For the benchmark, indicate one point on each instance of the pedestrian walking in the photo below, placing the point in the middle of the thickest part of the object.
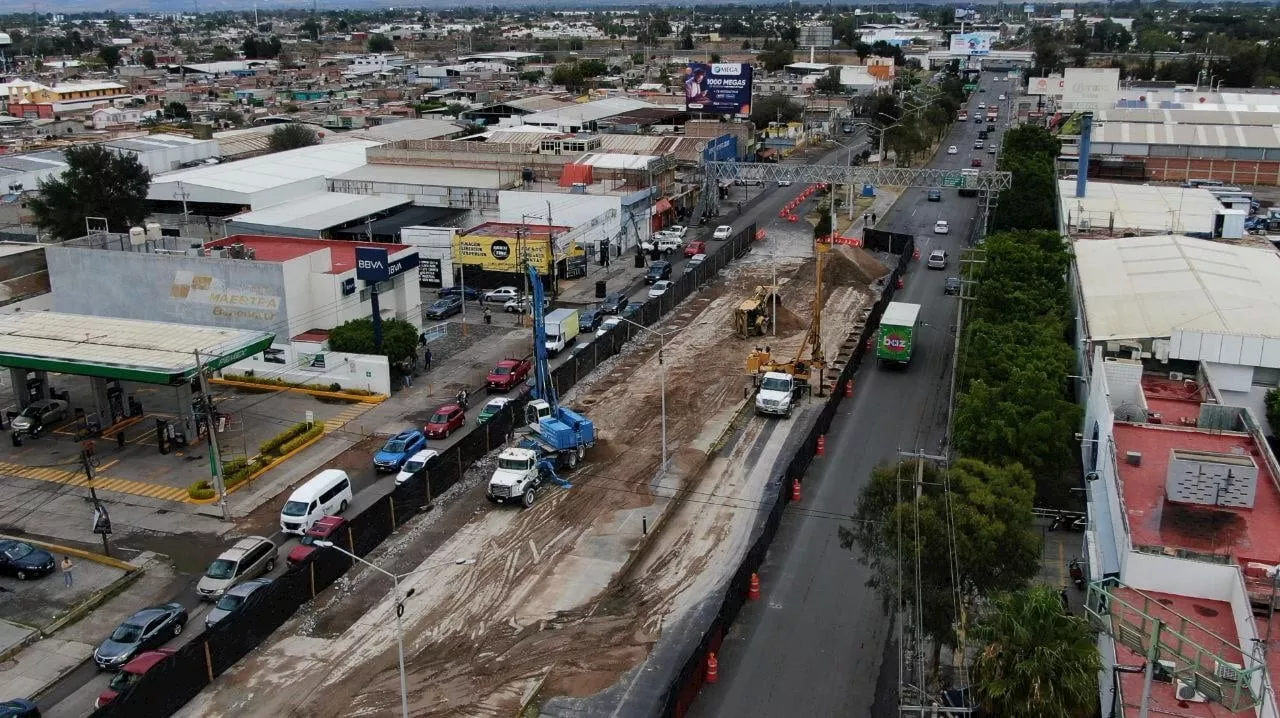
(426, 360)
(66, 571)
(874, 218)
(488, 316)
(422, 340)
(406, 369)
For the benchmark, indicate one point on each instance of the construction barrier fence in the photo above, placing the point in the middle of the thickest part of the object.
(173, 682)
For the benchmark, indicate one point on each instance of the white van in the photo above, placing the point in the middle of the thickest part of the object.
(326, 493)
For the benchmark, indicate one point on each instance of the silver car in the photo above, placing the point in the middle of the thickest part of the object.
(233, 599)
(40, 414)
(249, 558)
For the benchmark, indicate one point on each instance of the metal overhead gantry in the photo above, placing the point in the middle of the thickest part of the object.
(888, 176)
(989, 183)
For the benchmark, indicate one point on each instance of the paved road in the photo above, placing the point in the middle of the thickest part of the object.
(818, 643)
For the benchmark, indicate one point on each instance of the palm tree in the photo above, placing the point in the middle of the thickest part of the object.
(1036, 660)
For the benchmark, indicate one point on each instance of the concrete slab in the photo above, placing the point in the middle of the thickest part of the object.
(41, 601)
(41, 664)
(11, 634)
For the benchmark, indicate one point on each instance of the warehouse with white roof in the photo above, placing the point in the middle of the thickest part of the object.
(258, 182)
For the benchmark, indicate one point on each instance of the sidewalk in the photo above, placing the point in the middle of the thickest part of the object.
(106, 591)
(619, 275)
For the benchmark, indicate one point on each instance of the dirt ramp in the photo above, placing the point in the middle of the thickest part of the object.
(852, 266)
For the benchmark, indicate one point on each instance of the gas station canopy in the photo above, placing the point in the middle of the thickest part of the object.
(128, 349)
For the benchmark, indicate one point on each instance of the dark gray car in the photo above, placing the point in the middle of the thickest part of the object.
(232, 600)
(148, 628)
(444, 307)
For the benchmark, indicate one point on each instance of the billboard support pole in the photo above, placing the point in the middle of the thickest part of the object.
(377, 317)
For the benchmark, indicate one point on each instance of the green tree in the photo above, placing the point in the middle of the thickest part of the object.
(686, 38)
(568, 74)
(983, 509)
(775, 58)
(829, 84)
(399, 338)
(110, 55)
(177, 111)
(291, 136)
(1036, 659)
(98, 182)
(775, 108)
(311, 28)
(221, 53)
(148, 59)
(1273, 410)
(381, 43)
(532, 76)
(592, 68)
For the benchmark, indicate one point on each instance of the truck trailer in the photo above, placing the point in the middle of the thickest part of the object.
(561, 329)
(896, 341)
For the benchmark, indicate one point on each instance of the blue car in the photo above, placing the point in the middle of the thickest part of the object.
(454, 291)
(398, 449)
(589, 320)
(19, 708)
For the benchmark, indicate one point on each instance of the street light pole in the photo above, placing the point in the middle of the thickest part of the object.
(662, 346)
(395, 588)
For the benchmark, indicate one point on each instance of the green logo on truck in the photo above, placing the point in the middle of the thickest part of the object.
(895, 343)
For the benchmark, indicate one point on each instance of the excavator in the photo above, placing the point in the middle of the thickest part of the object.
(760, 361)
(753, 317)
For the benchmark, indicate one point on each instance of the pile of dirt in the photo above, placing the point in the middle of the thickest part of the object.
(789, 321)
(846, 266)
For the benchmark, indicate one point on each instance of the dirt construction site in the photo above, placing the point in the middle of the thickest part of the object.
(511, 607)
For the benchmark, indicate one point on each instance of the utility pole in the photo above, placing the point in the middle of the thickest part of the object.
(215, 460)
(918, 706)
(101, 521)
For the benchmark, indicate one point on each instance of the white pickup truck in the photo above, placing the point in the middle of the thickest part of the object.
(776, 394)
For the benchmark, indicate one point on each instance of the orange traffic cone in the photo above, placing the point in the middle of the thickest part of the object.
(848, 388)
(713, 668)
(915, 254)
(795, 489)
(822, 445)
(753, 588)
(901, 284)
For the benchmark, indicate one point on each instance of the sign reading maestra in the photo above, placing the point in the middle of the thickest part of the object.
(719, 87)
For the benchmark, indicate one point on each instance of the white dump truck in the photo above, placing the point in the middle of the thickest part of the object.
(776, 394)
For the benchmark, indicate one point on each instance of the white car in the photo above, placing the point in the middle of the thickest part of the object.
(660, 288)
(784, 183)
(676, 230)
(941, 227)
(938, 259)
(501, 295)
(607, 324)
(724, 231)
(415, 464)
(952, 150)
(1002, 97)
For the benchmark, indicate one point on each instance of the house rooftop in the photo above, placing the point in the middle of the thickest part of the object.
(342, 253)
(511, 229)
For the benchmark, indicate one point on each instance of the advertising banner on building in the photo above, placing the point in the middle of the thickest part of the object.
(722, 149)
(963, 14)
(1090, 88)
(429, 272)
(971, 43)
(501, 254)
(1029, 9)
(1051, 85)
(720, 87)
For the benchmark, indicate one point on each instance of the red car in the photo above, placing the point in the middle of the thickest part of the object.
(130, 673)
(695, 247)
(508, 374)
(975, 162)
(321, 530)
(447, 419)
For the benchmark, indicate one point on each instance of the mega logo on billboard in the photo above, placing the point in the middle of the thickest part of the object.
(971, 43)
(373, 264)
(721, 87)
(895, 343)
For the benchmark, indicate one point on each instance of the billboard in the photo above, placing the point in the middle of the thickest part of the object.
(720, 87)
(722, 149)
(1051, 85)
(815, 36)
(1029, 9)
(971, 43)
(962, 14)
(373, 264)
(1090, 88)
(499, 254)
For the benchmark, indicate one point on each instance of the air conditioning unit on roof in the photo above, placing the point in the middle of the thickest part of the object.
(1187, 692)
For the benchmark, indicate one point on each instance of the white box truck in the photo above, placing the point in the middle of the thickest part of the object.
(562, 329)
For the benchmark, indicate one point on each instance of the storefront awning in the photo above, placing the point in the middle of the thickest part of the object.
(662, 205)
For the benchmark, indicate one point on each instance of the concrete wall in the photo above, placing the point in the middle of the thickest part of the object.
(23, 273)
(204, 291)
(594, 218)
(350, 371)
